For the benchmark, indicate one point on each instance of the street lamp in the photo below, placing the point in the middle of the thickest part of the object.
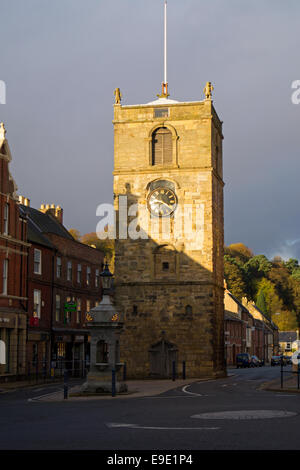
(107, 278)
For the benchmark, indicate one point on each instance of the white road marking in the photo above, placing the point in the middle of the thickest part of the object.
(190, 393)
(158, 428)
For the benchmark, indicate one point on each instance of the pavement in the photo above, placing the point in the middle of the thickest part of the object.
(136, 389)
(290, 384)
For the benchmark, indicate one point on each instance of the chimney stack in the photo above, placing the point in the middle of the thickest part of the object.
(24, 200)
(55, 211)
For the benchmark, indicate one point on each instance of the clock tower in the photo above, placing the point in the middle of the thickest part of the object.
(168, 196)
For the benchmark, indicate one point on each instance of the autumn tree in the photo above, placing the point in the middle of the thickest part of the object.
(75, 234)
(234, 277)
(107, 246)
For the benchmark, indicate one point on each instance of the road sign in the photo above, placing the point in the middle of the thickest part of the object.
(70, 307)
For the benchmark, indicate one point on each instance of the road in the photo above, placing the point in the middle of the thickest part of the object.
(165, 421)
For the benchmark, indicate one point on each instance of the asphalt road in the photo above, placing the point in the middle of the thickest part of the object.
(162, 422)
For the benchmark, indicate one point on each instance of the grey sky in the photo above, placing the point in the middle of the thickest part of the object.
(62, 59)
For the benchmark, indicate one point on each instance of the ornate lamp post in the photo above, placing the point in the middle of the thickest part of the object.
(105, 328)
(107, 279)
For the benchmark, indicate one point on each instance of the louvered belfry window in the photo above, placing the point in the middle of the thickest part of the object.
(161, 146)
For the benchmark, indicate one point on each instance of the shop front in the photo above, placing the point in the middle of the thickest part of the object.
(70, 352)
(13, 337)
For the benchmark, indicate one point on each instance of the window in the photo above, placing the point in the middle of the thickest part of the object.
(6, 219)
(69, 271)
(67, 315)
(57, 308)
(5, 276)
(37, 303)
(88, 276)
(288, 346)
(97, 278)
(61, 350)
(78, 313)
(37, 269)
(165, 266)
(135, 310)
(58, 267)
(79, 273)
(161, 112)
(161, 146)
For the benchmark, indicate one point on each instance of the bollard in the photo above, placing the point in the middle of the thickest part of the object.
(124, 372)
(281, 372)
(183, 370)
(113, 383)
(29, 377)
(66, 385)
(173, 371)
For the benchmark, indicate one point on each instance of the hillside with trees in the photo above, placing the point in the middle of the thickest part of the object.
(273, 285)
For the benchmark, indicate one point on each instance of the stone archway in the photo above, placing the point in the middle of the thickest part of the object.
(162, 355)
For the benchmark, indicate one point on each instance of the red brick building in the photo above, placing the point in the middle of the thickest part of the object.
(13, 267)
(246, 329)
(61, 271)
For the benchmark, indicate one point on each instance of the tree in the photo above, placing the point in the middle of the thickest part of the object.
(291, 265)
(107, 246)
(75, 234)
(240, 251)
(258, 266)
(234, 277)
(281, 278)
(286, 321)
(261, 303)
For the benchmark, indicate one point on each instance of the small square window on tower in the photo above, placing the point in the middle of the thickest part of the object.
(161, 112)
(165, 266)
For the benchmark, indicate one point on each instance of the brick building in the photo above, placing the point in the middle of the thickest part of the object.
(61, 271)
(246, 329)
(13, 265)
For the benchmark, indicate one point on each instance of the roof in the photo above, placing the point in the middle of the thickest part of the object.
(34, 235)
(238, 302)
(45, 223)
(287, 336)
(231, 316)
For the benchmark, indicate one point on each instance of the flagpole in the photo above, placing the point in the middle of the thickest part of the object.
(165, 44)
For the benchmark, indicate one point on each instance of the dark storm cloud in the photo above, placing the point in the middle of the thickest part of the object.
(61, 61)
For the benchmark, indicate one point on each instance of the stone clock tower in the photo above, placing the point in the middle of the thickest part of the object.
(168, 193)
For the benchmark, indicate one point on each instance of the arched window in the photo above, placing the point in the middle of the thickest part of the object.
(102, 352)
(161, 146)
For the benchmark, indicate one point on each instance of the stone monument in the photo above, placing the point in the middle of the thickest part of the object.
(105, 328)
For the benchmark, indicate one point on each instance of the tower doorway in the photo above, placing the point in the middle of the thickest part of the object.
(162, 355)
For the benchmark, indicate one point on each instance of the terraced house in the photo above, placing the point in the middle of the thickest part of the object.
(13, 266)
(62, 274)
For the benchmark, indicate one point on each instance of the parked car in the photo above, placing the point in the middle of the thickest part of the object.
(243, 360)
(256, 361)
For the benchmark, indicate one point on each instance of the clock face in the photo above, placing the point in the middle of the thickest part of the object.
(162, 202)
